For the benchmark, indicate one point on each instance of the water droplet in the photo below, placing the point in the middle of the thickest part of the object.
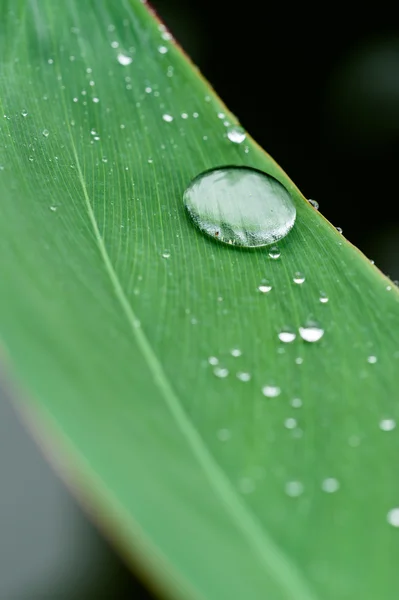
(243, 376)
(372, 359)
(287, 336)
(235, 352)
(221, 115)
(393, 517)
(296, 403)
(220, 372)
(213, 360)
(24, 112)
(246, 485)
(387, 424)
(96, 100)
(162, 49)
(290, 423)
(339, 229)
(265, 288)
(294, 488)
(236, 134)
(274, 253)
(115, 44)
(124, 59)
(299, 360)
(241, 206)
(53, 208)
(330, 485)
(271, 391)
(167, 118)
(184, 116)
(323, 298)
(224, 434)
(166, 254)
(298, 278)
(311, 332)
(314, 203)
(45, 132)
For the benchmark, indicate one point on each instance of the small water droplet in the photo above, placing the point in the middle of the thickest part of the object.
(311, 332)
(184, 116)
(239, 205)
(323, 298)
(298, 278)
(53, 208)
(166, 254)
(45, 132)
(213, 360)
(299, 360)
(235, 352)
(287, 336)
(115, 44)
(387, 424)
(372, 359)
(339, 229)
(274, 253)
(221, 115)
(330, 485)
(224, 434)
(167, 118)
(24, 112)
(290, 423)
(393, 517)
(243, 376)
(271, 391)
(246, 485)
(294, 488)
(236, 134)
(96, 100)
(314, 203)
(162, 49)
(265, 288)
(221, 372)
(124, 59)
(296, 403)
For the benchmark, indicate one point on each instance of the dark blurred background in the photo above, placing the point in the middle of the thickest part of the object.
(320, 92)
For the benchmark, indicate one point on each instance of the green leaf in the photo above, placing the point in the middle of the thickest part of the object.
(112, 302)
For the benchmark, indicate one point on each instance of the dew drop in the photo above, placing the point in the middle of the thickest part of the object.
(330, 485)
(387, 424)
(287, 336)
(24, 112)
(162, 49)
(184, 116)
(372, 359)
(274, 253)
(265, 288)
(271, 391)
(314, 203)
(53, 208)
(296, 403)
(294, 488)
(311, 332)
(124, 59)
(166, 254)
(290, 423)
(298, 360)
(393, 517)
(339, 229)
(236, 134)
(224, 434)
(115, 44)
(298, 278)
(221, 115)
(323, 298)
(167, 118)
(243, 376)
(45, 132)
(241, 206)
(220, 372)
(235, 352)
(96, 100)
(213, 360)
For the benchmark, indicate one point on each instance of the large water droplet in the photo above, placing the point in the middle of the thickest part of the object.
(271, 391)
(241, 206)
(393, 517)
